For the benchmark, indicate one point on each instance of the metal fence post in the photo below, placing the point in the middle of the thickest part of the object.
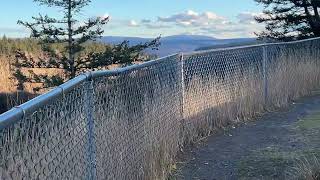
(182, 101)
(182, 84)
(91, 148)
(265, 74)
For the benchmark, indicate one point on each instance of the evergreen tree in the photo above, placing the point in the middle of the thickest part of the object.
(290, 19)
(122, 54)
(72, 35)
(68, 31)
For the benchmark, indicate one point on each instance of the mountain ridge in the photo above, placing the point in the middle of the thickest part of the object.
(176, 43)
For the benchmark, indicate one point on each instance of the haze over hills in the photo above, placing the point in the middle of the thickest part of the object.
(178, 43)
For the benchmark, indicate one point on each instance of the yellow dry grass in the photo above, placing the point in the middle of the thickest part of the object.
(211, 104)
(7, 84)
(9, 95)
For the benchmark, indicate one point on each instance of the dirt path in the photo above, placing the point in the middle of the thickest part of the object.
(263, 149)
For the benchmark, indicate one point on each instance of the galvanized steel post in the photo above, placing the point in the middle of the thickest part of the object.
(265, 74)
(182, 101)
(181, 58)
(91, 149)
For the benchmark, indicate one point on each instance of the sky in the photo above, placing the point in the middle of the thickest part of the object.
(149, 18)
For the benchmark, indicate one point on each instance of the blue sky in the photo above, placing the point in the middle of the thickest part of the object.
(149, 18)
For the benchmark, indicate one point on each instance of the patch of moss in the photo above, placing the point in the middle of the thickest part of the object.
(267, 163)
(271, 162)
(310, 153)
(312, 121)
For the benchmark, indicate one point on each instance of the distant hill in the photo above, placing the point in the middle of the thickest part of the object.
(119, 39)
(231, 44)
(177, 43)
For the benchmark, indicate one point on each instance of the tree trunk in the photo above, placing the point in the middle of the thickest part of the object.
(316, 19)
(308, 14)
(70, 41)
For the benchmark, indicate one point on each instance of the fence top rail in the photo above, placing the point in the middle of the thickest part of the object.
(248, 46)
(29, 107)
(19, 112)
(106, 73)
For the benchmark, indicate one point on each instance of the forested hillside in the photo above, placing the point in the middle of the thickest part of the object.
(9, 46)
(12, 49)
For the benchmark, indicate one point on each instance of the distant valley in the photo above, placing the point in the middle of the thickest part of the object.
(181, 43)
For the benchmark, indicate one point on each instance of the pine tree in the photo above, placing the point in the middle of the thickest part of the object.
(67, 31)
(64, 43)
(290, 19)
(122, 54)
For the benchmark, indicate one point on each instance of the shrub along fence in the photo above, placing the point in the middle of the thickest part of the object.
(130, 123)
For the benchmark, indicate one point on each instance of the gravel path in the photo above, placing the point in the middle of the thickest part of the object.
(221, 156)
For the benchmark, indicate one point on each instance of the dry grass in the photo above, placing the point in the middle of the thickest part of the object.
(295, 76)
(138, 117)
(139, 133)
(202, 97)
(9, 95)
(305, 169)
(7, 85)
(136, 120)
(212, 104)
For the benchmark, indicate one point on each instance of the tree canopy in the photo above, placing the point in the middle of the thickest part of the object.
(67, 30)
(290, 19)
(72, 34)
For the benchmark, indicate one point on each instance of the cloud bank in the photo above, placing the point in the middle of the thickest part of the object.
(192, 22)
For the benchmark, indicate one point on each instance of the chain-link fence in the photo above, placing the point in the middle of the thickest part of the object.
(129, 123)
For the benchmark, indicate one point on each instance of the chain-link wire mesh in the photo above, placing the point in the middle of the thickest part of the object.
(293, 70)
(51, 143)
(221, 87)
(136, 120)
(130, 123)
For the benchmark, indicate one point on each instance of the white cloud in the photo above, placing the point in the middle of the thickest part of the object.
(133, 23)
(149, 24)
(192, 18)
(152, 25)
(210, 23)
(145, 21)
(191, 22)
(105, 16)
(248, 17)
